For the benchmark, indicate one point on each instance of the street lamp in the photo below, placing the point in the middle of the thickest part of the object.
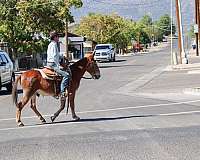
(171, 32)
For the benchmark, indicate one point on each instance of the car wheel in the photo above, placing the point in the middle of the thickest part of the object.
(0, 84)
(114, 58)
(10, 85)
(110, 60)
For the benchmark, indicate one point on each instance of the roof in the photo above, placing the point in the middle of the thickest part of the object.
(104, 44)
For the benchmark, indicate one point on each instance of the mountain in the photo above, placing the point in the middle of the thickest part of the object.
(135, 9)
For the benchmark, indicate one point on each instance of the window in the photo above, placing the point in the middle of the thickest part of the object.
(4, 58)
(102, 47)
(1, 58)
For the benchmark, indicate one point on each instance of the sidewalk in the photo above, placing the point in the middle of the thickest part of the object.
(180, 82)
(159, 47)
(193, 62)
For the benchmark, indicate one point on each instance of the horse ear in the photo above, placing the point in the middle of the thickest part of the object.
(93, 53)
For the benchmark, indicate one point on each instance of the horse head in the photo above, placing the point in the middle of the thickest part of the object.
(92, 67)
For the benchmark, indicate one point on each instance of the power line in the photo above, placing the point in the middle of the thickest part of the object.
(128, 4)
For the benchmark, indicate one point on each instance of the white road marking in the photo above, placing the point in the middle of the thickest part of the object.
(106, 110)
(132, 86)
(114, 109)
(71, 122)
(177, 113)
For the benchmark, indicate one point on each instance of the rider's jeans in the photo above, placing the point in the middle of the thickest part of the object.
(66, 77)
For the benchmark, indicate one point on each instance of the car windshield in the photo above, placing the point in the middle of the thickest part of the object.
(102, 47)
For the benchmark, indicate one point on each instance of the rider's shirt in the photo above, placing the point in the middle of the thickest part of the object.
(53, 53)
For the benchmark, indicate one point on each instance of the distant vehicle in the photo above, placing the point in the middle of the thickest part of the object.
(137, 47)
(104, 52)
(7, 75)
(194, 44)
(164, 40)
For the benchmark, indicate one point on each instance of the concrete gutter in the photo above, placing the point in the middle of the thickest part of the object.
(186, 66)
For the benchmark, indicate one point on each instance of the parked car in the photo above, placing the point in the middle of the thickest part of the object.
(7, 75)
(104, 52)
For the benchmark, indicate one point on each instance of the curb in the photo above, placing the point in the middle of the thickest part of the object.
(186, 66)
(192, 91)
(197, 71)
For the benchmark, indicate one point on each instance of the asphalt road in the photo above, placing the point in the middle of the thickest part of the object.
(136, 111)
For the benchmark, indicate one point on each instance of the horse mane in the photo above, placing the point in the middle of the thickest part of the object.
(76, 71)
(81, 62)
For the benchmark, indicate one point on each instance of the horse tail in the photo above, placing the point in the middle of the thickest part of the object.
(14, 90)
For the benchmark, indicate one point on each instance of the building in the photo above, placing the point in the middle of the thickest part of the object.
(89, 47)
(75, 46)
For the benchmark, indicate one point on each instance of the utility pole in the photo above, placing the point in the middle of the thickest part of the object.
(66, 33)
(179, 33)
(66, 39)
(183, 56)
(196, 27)
(171, 39)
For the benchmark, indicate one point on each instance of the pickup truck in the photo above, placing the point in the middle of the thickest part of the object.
(104, 52)
(7, 75)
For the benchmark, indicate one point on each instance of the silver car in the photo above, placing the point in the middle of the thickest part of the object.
(7, 75)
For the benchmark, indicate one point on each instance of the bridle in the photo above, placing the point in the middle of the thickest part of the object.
(91, 64)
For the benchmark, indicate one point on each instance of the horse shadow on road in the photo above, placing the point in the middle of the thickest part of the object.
(98, 119)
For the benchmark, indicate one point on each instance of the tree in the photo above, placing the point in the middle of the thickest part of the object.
(144, 30)
(107, 29)
(146, 20)
(26, 24)
(97, 27)
(163, 27)
(191, 33)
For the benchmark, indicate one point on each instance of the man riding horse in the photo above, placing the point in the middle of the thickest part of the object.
(45, 82)
(53, 62)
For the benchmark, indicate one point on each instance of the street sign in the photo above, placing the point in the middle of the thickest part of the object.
(196, 28)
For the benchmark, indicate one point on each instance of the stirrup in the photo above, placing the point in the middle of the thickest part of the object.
(64, 94)
(56, 97)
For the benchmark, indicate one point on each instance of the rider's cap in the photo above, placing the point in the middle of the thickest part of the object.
(53, 34)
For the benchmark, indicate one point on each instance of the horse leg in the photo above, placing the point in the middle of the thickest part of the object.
(72, 106)
(33, 107)
(20, 106)
(62, 106)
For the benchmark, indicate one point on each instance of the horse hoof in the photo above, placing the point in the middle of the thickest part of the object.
(52, 118)
(43, 121)
(76, 118)
(20, 124)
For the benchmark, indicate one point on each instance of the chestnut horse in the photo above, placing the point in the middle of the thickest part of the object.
(33, 83)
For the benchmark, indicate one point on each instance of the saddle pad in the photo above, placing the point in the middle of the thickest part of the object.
(49, 71)
(46, 76)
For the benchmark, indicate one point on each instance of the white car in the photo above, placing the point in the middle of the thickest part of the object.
(7, 75)
(104, 52)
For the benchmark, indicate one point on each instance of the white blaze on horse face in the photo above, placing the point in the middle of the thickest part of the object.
(93, 69)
